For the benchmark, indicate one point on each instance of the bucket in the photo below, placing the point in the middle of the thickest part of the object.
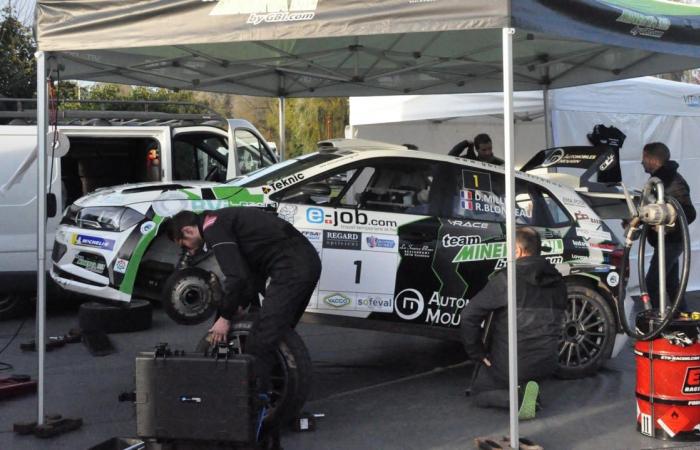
(668, 383)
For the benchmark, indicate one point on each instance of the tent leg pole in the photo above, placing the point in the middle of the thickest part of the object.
(41, 131)
(549, 138)
(283, 126)
(510, 231)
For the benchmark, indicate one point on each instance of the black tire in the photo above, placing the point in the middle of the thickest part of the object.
(291, 377)
(588, 333)
(190, 296)
(13, 305)
(136, 315)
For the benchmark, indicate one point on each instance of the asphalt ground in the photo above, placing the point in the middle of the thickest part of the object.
(377, 390)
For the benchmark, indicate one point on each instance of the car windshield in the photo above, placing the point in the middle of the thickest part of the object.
(280, 170)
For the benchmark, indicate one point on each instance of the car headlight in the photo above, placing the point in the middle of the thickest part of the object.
(109, 218)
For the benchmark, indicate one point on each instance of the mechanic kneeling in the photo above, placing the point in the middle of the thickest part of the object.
(541, 301)
(250, 242)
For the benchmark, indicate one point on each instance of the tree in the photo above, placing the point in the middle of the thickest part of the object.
(17, 64)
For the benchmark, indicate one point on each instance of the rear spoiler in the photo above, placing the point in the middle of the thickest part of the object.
(592, 159)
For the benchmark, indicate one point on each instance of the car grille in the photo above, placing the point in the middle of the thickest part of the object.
(70, 276)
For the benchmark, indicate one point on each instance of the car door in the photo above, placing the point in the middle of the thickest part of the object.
(352, 216)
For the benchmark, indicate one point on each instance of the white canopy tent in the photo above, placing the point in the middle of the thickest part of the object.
(646, 109)
(341, 48)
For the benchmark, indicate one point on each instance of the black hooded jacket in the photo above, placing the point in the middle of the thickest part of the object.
(541, 300)
(675, 186)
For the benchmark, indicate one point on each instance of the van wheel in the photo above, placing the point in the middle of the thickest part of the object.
(137, 315)
(588, 333)
(13, 305)
(291, 376)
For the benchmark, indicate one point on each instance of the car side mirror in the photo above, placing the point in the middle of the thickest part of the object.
(320, 189)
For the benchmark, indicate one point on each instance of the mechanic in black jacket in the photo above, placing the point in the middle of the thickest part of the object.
(541, 301)
(656, 160)
(249, 243)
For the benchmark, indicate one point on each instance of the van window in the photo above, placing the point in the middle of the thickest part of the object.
(199, 156)
(251, 153)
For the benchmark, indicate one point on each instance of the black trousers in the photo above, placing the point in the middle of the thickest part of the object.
(673, 253)
(293, 279)
(490, 389)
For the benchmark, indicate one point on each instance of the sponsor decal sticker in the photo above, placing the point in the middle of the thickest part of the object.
(266, 11)
(92, 241)
(284, 182)
(288, 213)
(378, 242)
(93, 264)
(605, 165)
(599, 235)
(120, 265)
(409, 304)
(146, 227)
(580, 215)
(337, 300)
(487, 202)
(342, 240)
(692, 100)
(375, 303)
(411, 250)
(444, 310)
(572, 201)
(497, 250)
(346, 218)
(312, 235)
(468, 224)
(691, 385)
(553, 157)
(644, 25)
(459, 241)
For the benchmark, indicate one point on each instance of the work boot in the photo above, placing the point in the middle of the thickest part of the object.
(528, 405)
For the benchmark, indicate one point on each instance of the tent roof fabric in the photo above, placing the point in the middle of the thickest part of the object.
(314, 48)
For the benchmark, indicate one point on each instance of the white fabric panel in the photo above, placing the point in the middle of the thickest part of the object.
(402, 108)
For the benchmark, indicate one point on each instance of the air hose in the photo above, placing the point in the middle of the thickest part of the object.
(656, 326)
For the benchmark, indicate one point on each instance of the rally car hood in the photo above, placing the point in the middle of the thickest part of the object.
(127, 194)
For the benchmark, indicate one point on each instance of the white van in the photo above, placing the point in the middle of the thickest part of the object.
(107, 148)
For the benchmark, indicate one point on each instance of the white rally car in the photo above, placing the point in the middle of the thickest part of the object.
(406, 238)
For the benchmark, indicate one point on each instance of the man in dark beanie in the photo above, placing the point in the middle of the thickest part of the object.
(656, 160)
(250, 243)
(541, 302)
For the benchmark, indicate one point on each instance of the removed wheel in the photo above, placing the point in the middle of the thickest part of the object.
(136, 315)
(13, 305)
(588, 333)
(291, 376)
(190, 296)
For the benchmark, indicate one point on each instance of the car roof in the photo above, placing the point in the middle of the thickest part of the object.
(347, 148)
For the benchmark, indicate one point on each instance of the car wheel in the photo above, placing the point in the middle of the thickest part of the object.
(588, 333)
(136, 315)
(13, 305)
(190, 296)
(291, 376)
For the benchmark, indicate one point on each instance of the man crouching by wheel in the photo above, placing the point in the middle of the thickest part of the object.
(250, 243)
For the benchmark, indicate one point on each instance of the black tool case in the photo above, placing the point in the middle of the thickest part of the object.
(192, 397)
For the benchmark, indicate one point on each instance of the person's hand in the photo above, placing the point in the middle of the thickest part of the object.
(486, 362)
(219, 331)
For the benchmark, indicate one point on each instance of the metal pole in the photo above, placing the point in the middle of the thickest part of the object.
(547, 119)
(661, 247)
(41, 131)
(283, 125)
(510, 231)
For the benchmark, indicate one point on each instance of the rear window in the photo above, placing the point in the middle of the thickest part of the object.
(265, 176)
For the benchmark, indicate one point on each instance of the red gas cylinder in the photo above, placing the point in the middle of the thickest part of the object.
(668, 383)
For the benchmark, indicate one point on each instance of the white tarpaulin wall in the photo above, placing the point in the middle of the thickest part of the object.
(435, 123)
(646, 109)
